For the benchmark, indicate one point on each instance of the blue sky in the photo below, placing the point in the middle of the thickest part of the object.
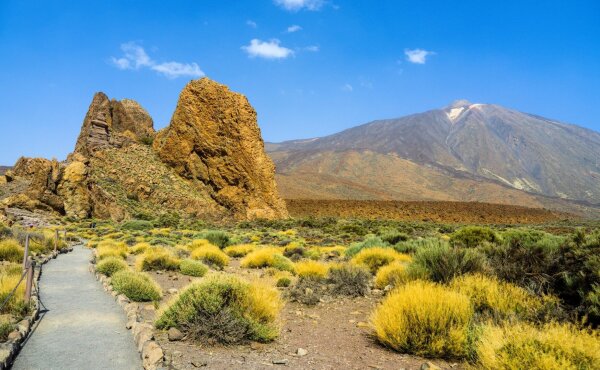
(309, 67)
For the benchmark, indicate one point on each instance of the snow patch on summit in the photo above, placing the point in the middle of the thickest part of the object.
(454, 113)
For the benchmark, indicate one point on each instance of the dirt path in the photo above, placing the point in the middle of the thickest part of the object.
(83, 327)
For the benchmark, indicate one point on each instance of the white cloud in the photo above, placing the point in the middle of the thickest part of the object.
(295, 5)
(251, 23)
(313, 48)
(135, 57)
(417, 56)
(347, 88)
(175, 69)
(294, 28)
(267, 49)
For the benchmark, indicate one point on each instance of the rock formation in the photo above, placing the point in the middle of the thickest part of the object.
(209, 163)
(213, 139)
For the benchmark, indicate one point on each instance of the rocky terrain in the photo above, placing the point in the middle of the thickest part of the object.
(209, 162)
(463, 152)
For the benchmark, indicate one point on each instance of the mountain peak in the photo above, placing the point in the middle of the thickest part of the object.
(459, 103)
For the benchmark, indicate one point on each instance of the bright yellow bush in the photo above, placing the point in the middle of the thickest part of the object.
(424, 319)
(522, 346)
(268, 257)
(497, 298)
(11, 251)
(15, 305)
(239, 250)
(393, 274)
(376, 257)
(309, 268)
(139, 248)
(110, 248)
(209, 254)
(157, 258)
(336, 250)
(197, 243)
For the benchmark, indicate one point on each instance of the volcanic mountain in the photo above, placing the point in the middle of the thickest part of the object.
(462, 152)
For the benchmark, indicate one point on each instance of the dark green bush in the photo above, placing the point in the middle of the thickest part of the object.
(216, 237)
(441, 263)
(394, 237)
(169, 219)
(349, 280)
(473, 236)
(368, 242)
(137, 225)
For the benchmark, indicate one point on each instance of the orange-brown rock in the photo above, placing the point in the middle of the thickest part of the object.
(214, 140)
(113, 124)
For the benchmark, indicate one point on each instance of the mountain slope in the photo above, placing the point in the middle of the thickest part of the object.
(466, 152)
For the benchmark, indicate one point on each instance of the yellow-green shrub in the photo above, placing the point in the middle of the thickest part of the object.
(11, 250)
(139, 248)
(136, 286)
(267, 257)
(424, 319)
(193, 268)
(15, 305)
(522, 346)
(226, 309)
(110, 248)
(197, 243)
(393, 274)
(157, 258)
(310, 268)
(496, 298)
(239, 250)
(211, 255)
(376, 257)
(109, 265)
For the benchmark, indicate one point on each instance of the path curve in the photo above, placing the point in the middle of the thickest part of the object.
(83, 328)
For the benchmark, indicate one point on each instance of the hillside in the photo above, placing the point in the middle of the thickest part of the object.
(463, 152)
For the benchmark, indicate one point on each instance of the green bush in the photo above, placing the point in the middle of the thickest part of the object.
(136, 286)
(170, 219)
(5, 328)
(225, 309)
(394, 237)
(216, 237)
(473, 236)
(411, 246)
(441, 263)
(157, 258)
(110, 265)
(11, 251)
(193, 268)
(139, 225)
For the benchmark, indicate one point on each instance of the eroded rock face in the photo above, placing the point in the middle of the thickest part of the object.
(214, 139)
(113, 124)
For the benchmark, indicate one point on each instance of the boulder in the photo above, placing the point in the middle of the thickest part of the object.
(214, 139)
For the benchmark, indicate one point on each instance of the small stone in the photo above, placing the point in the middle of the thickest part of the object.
(301, 352)
(429, 366)
(172, 291)
(280, 362)
(14, 336)
(377, 292)
(308, 291)
(174, 334)
(256, 346)
(152, 354)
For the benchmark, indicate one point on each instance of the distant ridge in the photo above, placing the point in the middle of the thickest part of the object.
(462, 152)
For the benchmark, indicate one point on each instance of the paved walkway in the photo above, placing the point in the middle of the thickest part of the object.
(83, 328)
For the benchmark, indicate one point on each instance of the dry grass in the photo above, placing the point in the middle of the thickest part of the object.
(308, 268)
(11, 251)
(424, 319)
(377, 257)
(209, 254)
(393, 274)
(268, 257)
(110, 248)
(241, 250)
(554, 346)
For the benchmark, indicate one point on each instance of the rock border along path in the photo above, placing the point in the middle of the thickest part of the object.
(83, 327)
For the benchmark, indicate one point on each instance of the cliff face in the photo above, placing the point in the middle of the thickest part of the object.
(214, 140)
(209, 163)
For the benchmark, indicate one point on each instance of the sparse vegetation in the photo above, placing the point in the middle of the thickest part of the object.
(193, 268)
(136, 286)
(225, 309)
(424, 319)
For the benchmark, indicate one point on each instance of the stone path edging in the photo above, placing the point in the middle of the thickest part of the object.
(143, 333)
